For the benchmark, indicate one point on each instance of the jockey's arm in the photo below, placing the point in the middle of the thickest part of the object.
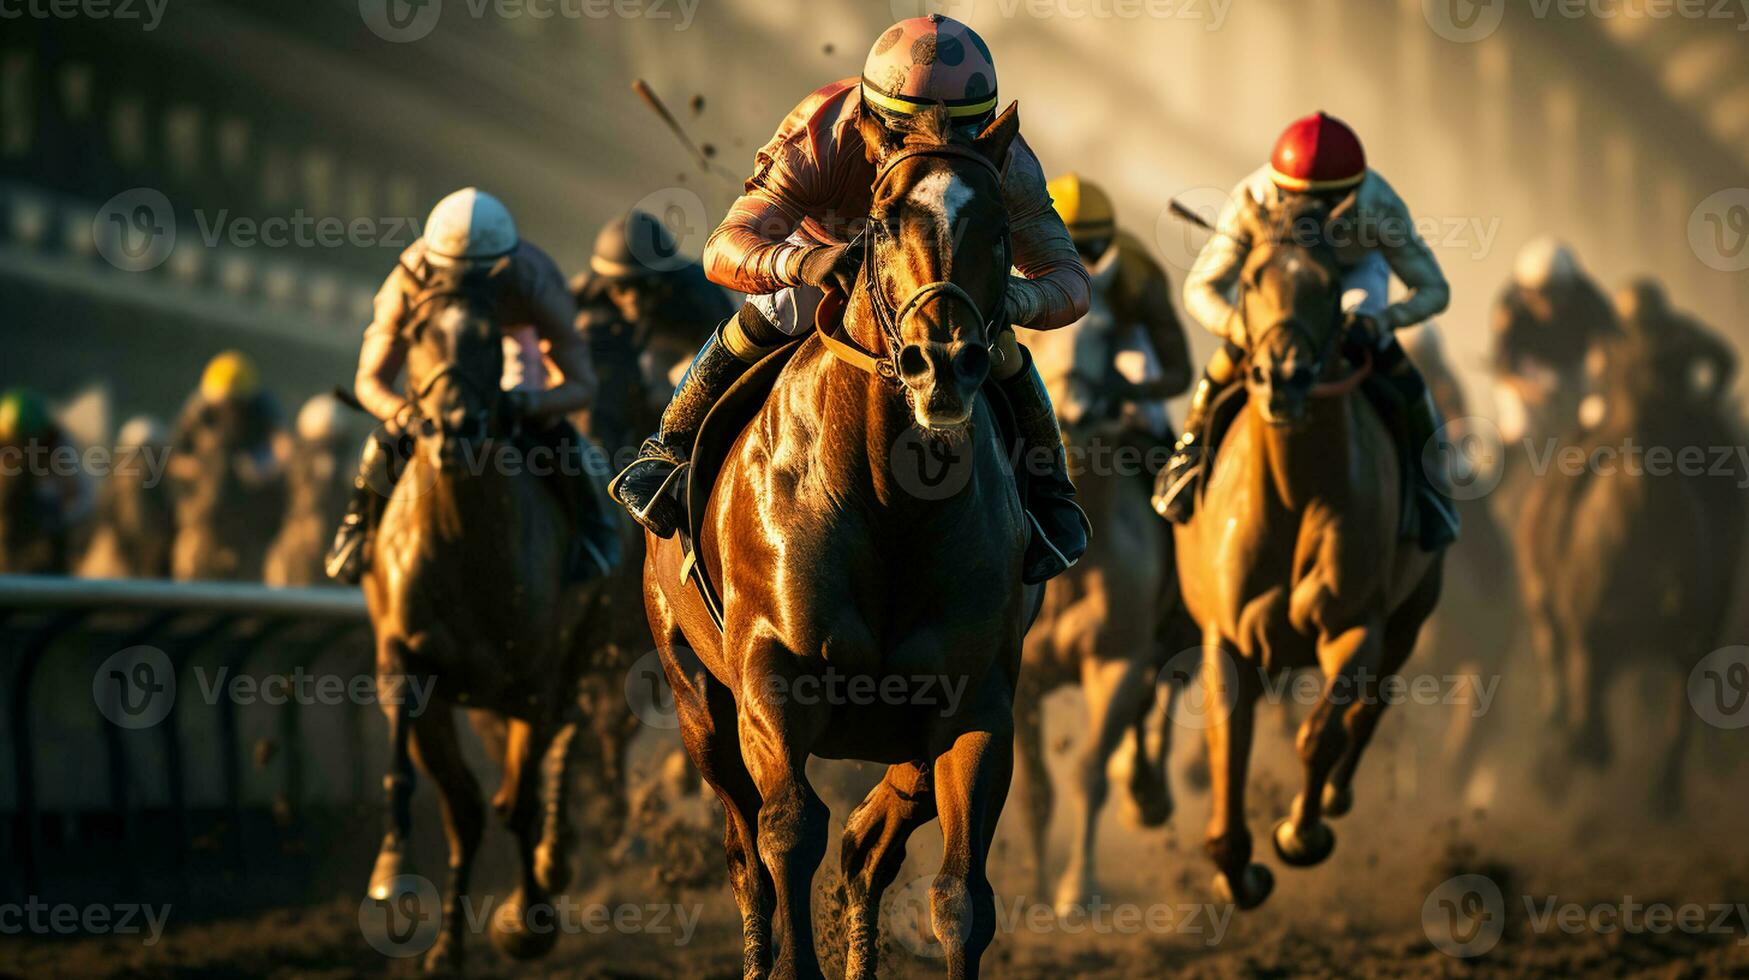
(1412, 262)
(553, 311)
(1052, 288)
(379, 362)
(1153, 307)
(1216, 272)
(748, 251)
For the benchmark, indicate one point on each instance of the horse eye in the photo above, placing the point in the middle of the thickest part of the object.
(1257, 373)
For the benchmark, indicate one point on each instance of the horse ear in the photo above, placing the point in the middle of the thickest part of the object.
(997, 137)
(877, 142)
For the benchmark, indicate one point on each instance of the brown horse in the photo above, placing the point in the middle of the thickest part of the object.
(1623, 566)
(230, 494)
(1294, 560)
(866, 615)
(1110, 623)
(467, 595)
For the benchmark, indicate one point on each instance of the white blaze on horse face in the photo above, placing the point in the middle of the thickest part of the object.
(944, 196)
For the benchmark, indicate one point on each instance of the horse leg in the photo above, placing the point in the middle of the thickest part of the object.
(1232, 698)
(435, 747)
(971, 784)
(1351, 661)
(776, 735)
(1587, 683)
(398, 783)
(1035, 782)
(1116, 692)
(1150, 792)
(1667, 792)
(872, 852)
(552, 854)
(1362, 719)
(517, 802)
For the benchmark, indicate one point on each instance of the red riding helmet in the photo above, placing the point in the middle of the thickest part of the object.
(924, 60)
(1317, 153)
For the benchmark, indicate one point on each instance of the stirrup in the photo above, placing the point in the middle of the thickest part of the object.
(1174, 495)
(651, 501)
(345, 562)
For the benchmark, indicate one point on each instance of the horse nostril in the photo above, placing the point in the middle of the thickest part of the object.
(972, 362)
(913, 363)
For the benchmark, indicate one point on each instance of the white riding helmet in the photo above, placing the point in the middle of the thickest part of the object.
(142, 430)
(1544, 262)
(469, 224)
(321, 418)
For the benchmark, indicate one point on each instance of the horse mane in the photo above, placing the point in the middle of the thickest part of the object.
(929, 126)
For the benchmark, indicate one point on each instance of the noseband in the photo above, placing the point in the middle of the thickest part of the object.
(891, 319)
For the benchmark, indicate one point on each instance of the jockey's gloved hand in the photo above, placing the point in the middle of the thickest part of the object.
(830, 267)
(1366, 330)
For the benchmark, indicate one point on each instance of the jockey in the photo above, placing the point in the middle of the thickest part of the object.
(1551, 315)
(1320, 155)
(232, 411)
(1681, 354)
(32, 442)
(470, 229)
(1139, 295)
(784, 240)
(641, 301)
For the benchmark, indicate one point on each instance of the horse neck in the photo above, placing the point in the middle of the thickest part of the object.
(1311, 461)
(457, 506)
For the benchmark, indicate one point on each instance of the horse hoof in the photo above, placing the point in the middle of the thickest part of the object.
(445, 958)
(1075, 895)
(1148, 810)
(1255, 884)
(391, 864)
(1196, 775)
(1338, 800)
(1303, 851)
(551, 867)
(512, 936)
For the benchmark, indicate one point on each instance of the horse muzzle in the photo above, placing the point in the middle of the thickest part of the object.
(943, 381)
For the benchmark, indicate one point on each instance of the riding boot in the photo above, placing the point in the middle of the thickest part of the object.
(642, 488)
(1175, 488)
(1059, 526)
(1438, 522)
(379, 466)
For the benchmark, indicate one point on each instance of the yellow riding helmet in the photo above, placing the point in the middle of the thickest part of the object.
(1084, 207)
(230, 375)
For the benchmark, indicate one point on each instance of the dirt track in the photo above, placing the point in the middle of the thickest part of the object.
(1360, 914)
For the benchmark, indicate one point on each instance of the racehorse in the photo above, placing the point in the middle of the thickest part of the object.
(840, 572)
(1294, 559)
(1622, 565)
(468, 597)
(1111, 622)
(34, 536)
(230, 499)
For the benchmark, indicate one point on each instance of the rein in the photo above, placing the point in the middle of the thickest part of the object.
(887, 317)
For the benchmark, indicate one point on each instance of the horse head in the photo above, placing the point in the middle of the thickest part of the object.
(454, 362)
(935, 270)
(1290, 305)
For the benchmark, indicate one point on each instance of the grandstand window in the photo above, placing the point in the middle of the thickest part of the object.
(318, 182)
(233, 141)
(78, 91)
(182, 127)
(127, 130)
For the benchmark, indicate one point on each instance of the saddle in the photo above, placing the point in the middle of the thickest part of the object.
(692, 482)
(1385, 399)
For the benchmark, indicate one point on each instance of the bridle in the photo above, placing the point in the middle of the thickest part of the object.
(1320, 389)
(416, 396)
(891, 319)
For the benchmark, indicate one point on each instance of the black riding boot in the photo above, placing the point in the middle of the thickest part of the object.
(641, 488)
(1175, 487)
(1060, 527)
(379, 466)
(1437, 520)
